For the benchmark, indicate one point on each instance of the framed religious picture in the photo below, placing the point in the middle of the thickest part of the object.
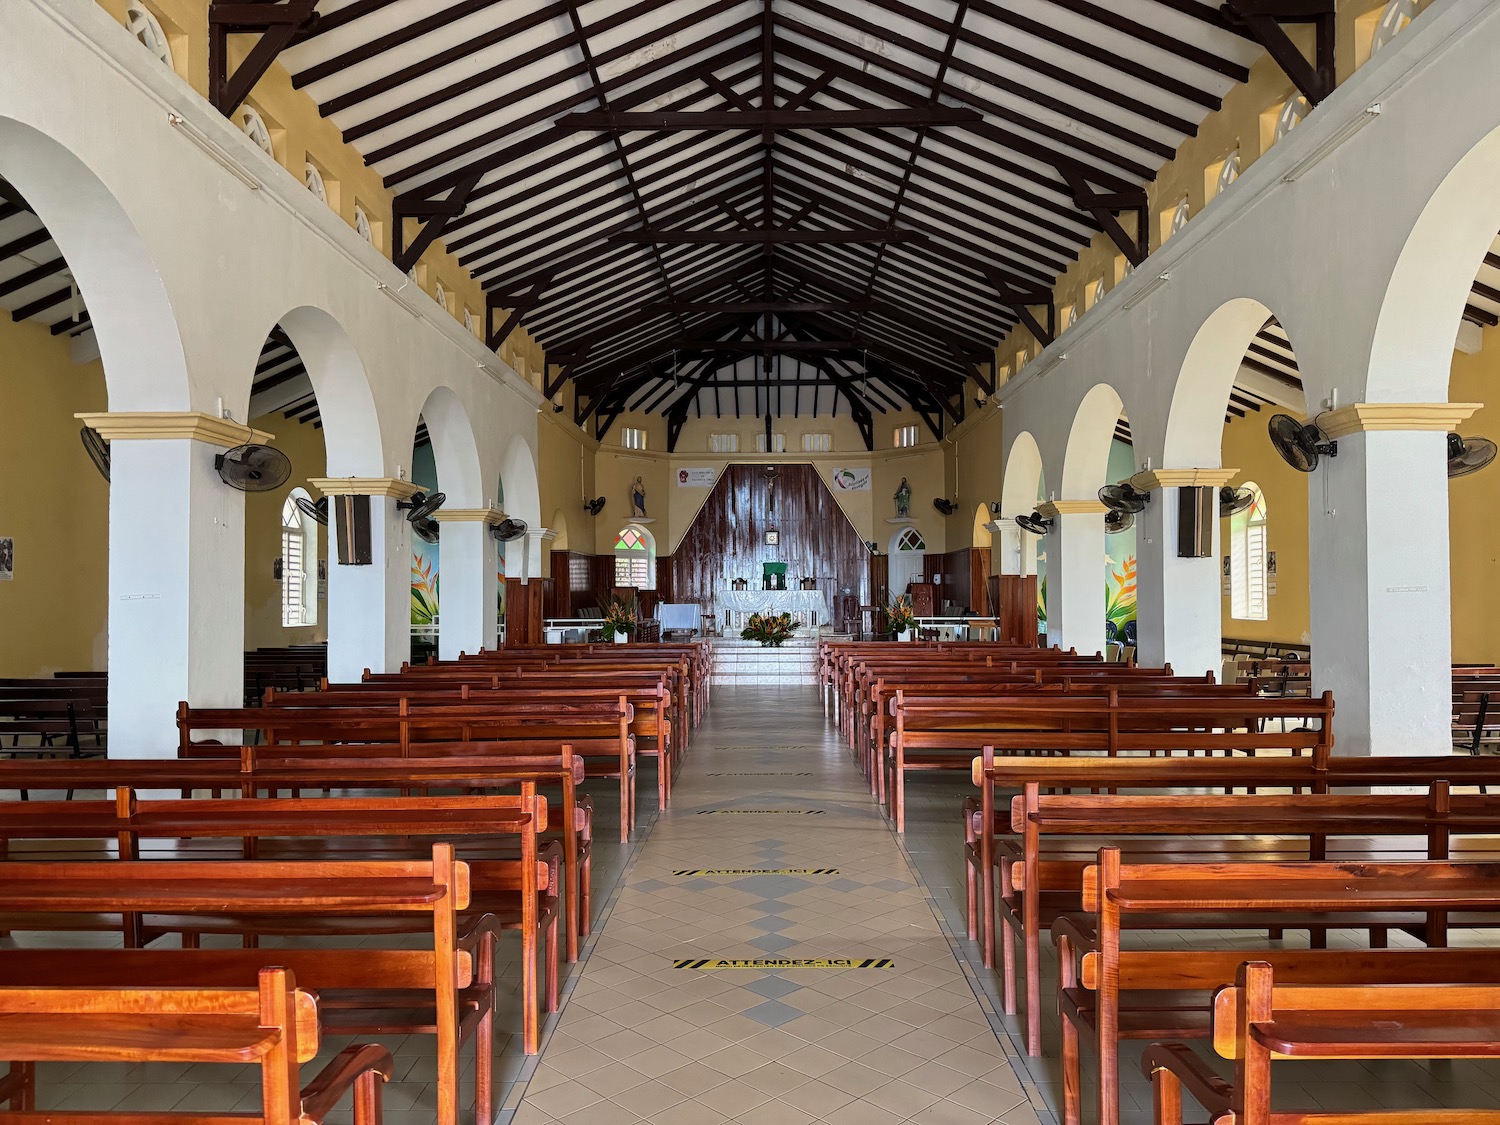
(7, 559)
(773, 538)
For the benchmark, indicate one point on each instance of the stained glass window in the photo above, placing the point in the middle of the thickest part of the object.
(635, 559)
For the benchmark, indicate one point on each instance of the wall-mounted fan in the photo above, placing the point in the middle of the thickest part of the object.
(594, 506)
(421, 505)
(1301, 444)
(944, 505)
(507, 530)
(1468, 455)
(1124, 499)
(1117, 520)
(98, 450)
(315, 510)
(253, 468)
(1233, 501)
(426, 529)
(1034, 523)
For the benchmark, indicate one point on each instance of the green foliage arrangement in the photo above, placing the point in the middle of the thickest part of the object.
(772, 630)
(619, 617)
(900, 616)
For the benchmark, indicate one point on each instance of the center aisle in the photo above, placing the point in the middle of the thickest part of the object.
(655, 1032)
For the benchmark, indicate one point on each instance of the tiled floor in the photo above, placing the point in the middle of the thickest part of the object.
(767, 786)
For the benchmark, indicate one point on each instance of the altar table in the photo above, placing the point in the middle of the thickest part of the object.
(807, 605)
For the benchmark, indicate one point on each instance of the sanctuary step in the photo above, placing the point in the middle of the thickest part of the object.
(748, 662)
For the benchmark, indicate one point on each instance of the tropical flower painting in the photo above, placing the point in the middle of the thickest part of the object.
(424, 588)
(1119, 600)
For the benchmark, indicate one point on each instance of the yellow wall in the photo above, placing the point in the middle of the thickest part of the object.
(1248, 448)
(54, 505)
(263, 628)
(1473, 531)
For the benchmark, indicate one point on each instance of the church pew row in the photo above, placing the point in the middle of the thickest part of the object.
(1444, 1010)
(658, 734)
(1242, 896)
(118, 1017)
(416, 896)
(500, 894)
(269, 770)
(1111, 723)
(599, 733)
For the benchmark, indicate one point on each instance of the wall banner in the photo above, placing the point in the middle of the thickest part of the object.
(851, 480)
(703, 477)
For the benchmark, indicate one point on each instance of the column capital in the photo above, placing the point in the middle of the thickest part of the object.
(170, 425)
(1363, 417)
(365, 486)
(1153, 479)
(490, 514)
(1051, 509)
(541, 534)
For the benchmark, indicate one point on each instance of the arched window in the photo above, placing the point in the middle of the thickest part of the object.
(315, 184)
(635, 558)
(299, 553)
(1395, 17)
(1291, 115)
(148, 30)
(440, 295)
(1229, 171)
(1247, 559)
(362, 225)
(255, 127)
(1180, 216)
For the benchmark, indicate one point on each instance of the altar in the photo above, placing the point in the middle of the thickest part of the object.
(806, 605)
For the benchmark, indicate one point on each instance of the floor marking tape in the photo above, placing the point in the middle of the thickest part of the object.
(759, 871)
(761, 812)
(807, 774)
(786, 963)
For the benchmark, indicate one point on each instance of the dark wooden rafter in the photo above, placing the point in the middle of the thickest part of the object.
(276, 23)
(870, 192)
(1106, 207)
(1264, 20)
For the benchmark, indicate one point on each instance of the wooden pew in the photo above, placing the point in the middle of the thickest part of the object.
(268, 770)
(1265, 1018)
(426, 894)
(1243, 896)
(274, 1026)
(599, 735)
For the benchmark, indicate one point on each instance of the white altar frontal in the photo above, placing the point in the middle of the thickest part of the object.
(806, 605)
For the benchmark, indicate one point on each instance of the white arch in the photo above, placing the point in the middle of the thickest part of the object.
(559, 525)
(139, 342)
(1412, 350)
(454, 449)
(523, 498)
(1023, 477)
(346, 404)
(1195, 420)
(1086, 459)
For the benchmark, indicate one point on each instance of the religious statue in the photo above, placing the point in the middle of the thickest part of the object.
(903, 499)
(638, 498)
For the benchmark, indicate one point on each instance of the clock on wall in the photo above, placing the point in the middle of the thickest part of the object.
(773, 538)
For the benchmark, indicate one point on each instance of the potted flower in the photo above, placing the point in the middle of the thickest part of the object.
(903, 622)
(619, 620)
(772, 630)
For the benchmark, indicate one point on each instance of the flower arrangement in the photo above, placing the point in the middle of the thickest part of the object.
(619, 617)
(900, 617)
(772, 630)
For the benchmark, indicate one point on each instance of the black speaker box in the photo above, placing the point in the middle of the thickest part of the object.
(1196, 510)
(352, 524)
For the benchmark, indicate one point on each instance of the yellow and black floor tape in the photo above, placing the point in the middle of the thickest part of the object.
(761, 812)
(758, 871)
(785, 963)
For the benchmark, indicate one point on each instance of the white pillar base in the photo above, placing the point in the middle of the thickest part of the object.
(1075, 575)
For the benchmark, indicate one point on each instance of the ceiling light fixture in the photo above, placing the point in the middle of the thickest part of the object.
(213, 150)
(1146, 290)
(1340, 135)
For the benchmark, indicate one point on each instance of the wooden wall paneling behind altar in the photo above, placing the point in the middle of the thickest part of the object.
(728, 538)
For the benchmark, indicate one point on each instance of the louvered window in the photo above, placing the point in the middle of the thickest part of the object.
(1247, 560)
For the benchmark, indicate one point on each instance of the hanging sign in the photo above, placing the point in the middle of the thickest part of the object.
(697, 477)
(1270, 573)
(851, 480)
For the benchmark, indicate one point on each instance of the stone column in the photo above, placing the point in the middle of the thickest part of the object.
(469, 593)
(369, 606)
(1381, 617)
(1179, 601)
(1075, 574)
(176, 574)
